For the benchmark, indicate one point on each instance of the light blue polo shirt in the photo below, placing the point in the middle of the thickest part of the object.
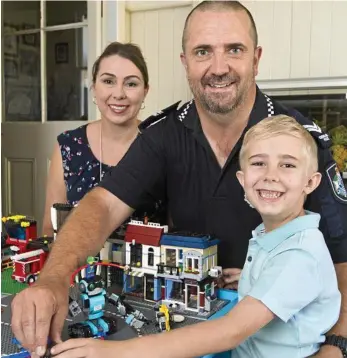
(291, 271)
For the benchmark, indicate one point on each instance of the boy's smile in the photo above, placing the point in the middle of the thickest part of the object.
(276, 177)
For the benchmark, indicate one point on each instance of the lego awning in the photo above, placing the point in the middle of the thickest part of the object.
(135, 273)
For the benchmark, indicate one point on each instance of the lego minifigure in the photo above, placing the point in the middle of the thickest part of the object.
(93, 295)
(132, 316)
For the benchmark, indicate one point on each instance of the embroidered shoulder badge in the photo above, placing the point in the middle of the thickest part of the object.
(158, 117)
(336, 183)
(317, 132)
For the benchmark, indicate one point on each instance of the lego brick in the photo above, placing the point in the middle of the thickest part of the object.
(188, 241)
(145, 235)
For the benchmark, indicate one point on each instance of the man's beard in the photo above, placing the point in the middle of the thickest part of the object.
(215, 102)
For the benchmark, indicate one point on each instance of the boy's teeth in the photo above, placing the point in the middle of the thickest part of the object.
(267, 194)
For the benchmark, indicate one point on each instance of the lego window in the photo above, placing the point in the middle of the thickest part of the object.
(16, 232)
(117, 247)
(180, 254)
(189, 264)
(136, 255)
(150, 257)
(171, 257)
(328, 109)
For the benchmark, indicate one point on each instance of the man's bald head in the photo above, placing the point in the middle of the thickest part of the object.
(220, 6)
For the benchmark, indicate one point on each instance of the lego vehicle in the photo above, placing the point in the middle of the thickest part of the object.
(6, 253)
(27, 265)
(20, 230)
(93, 295)
(163, 317)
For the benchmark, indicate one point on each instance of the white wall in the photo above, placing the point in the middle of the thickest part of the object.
(158, 32)
(301, 39)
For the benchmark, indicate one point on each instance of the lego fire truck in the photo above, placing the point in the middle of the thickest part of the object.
(30, 251)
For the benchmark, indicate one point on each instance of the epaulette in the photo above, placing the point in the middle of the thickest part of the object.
(322, 138)
(159, 116)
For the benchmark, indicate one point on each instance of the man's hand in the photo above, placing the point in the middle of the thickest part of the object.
(38, 312)
(328, 352)
(230, 278)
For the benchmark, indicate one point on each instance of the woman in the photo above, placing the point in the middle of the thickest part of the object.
(83, 155)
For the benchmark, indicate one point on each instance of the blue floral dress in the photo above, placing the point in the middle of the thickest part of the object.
(82, 172)
(81, 168)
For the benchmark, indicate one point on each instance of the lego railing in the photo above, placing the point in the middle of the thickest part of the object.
(173, 270)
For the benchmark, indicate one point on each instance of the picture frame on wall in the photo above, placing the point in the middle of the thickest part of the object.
(10, 44)
(62, 52)
(29, 39)
(10, 68)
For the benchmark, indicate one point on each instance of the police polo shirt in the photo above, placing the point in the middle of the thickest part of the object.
(172, 161)
(291, 272)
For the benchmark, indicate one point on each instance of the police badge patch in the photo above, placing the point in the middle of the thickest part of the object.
(336, 183)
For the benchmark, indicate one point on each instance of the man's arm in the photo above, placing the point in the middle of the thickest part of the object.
(40, 310)
(341, 326)
(139, 178)
(84, 233)
(330, 201)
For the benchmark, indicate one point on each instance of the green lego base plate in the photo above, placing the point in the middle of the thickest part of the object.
(8, 285)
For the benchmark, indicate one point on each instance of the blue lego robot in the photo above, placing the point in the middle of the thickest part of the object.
(93, 296)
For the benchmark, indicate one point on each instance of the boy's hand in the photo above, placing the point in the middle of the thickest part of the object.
(230, 278)
(85, 348)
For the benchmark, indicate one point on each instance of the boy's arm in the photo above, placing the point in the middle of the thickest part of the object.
(276, 292)
(197, 340)
(214, 336)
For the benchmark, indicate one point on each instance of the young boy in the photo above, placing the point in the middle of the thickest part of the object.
(288, 294)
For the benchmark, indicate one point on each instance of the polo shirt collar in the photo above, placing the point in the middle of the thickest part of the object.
(269, 241)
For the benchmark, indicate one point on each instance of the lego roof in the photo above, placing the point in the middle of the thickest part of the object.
(145, 235)
(196, 242)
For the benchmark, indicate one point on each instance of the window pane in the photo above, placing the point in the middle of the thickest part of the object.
(67, 87)
(65, 12)
(21, 14)
(22, 77)
(329, 111)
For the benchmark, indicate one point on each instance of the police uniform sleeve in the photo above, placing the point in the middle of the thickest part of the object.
(330, 198)
(139, 178)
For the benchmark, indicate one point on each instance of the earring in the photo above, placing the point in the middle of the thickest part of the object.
(248, 202)
(143, 105)
(94, 100)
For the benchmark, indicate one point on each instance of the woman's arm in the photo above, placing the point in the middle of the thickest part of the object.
(55, 189)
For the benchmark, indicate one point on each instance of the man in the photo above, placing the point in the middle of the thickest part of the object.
(188, 157)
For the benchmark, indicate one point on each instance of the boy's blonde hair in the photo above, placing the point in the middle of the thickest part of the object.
(279, 125)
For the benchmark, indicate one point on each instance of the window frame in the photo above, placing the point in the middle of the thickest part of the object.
(93, 23)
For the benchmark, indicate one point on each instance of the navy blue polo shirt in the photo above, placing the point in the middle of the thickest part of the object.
(172, 161)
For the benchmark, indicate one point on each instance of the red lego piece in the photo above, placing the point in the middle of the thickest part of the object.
(143, 234)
